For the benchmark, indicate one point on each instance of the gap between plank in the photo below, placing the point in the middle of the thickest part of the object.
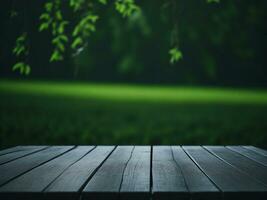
(36, 166)
(27, 154)
(180, 170)
(10, 151)
(256, 151)
(243, 172)
(194, 161)
(151, 172)
(124, 171)
(68, 166)
(93, 173)
(255, 160)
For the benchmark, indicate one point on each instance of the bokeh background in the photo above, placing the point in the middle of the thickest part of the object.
(122, 89)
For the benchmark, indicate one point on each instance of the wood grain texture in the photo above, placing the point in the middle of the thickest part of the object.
(133, 172)
(250, 167)
(198, 184)
(17, 167)
(20, 153)
(71, 181)
(168, 180)
(136, 177)
(231, 181)
(10, 150)
(36, 180)
(258, 150)
(250, 154)
(106, 182)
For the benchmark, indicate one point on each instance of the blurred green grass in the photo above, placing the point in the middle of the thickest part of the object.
(133, 93)
(34, 112)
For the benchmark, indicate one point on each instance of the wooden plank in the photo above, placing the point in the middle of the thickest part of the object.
(20, 153)
(15, 149)
(106, 182)
(136, 177)
(35, 181)
(168, 181)
(258, 150)
(18, 148)
(10, 150)
(17, 167)
(70, 182)
(232, 182)
(198, 184)
(250, 154)
(248, 166)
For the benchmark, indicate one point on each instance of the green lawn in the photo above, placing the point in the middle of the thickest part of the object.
(131, 93)
(78, 113)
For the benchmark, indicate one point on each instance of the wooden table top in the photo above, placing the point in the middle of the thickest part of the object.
(133, 172)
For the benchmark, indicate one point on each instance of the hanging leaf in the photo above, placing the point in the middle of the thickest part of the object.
(27, 70)
(43, 26)
(22, 67)
(175, 54)
(48, 6)
(61, 27)
(44, 16)
(19, 66)
(126, 7)
(56, 56)
(78, 41)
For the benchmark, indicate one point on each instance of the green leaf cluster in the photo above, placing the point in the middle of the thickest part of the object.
(59, 42)
(126, 7)
(52, 18)
(76, 5)
(46, 18)
(20, 48)
(83, 29)
(22, 67)
(175, 55)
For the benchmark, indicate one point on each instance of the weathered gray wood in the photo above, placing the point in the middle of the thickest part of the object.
(17, 167)
(36, 180)
(20, 153)
(71, 181)
(106, 182)
(232, 182)
(168, 180)
(136, 177)
(16, 149)
(190, 172)
(198, 184)
(252, 168)
(10, 150)
(258, 150)
(250, 154)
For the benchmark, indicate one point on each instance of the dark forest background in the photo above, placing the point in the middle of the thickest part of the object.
(223, 44)
(122, 88)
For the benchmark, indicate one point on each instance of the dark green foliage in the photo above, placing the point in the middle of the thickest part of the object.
(126, 7)
(52, 19)
(221, 43)
(175, 54)
(21, 51)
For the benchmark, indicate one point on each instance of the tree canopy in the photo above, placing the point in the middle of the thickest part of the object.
(56, 17)
(172, 41)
